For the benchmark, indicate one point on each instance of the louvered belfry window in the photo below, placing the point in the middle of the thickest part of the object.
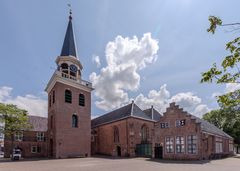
(68, 96)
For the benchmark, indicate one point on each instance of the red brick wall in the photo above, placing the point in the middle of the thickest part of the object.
(29, 140)
(190, 128)
(129, 136)
(68, 141)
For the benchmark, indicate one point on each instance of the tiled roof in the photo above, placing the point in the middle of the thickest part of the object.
(38, 123)
(210, 128)
(156, 114)
(123, 112)
(205, 125)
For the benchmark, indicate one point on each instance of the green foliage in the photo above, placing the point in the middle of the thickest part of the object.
(14, 119)
(229, 70)
(214, 21)
(227, 119)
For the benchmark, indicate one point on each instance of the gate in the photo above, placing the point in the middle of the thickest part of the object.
(144, 150)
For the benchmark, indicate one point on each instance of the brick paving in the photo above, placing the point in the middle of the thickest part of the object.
(120, 164)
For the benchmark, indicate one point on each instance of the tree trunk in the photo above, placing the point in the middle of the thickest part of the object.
(12, 141)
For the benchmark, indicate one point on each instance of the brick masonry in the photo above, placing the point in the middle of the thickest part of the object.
(129, 136)
(68, 141)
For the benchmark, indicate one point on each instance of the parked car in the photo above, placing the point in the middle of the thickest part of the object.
(16, 154)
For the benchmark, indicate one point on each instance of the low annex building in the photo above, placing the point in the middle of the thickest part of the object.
(180, 135)
(32, 143)
(127, 131)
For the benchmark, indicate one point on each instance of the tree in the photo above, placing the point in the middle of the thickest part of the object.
(14, 119)
(227, 119)
(229, 70)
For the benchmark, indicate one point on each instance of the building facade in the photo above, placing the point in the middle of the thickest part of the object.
(32, 143)
(127, 131)
(180, 135)
(69, 104)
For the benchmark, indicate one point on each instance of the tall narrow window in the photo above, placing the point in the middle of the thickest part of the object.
(169, 144)
(116, 134)
(218, 145)
(144, 132)
(68, 96)
(180, 144)
(51, 122)
(53, 100)
(81, 100)
(50, 100)
(74, 121)
(192, 144)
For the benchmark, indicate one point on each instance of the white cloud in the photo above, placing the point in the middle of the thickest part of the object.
(96, 60)
(34, 105)
(161, 99)
(124, 57)
(230, 87)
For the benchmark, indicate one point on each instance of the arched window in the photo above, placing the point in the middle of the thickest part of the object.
(115, 134)
(81, 100)
(68, 96)
(64, 67)
(144, 132)
(74, 121)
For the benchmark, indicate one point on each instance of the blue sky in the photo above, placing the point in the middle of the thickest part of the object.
(32, 33)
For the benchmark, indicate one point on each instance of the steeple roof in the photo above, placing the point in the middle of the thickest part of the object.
(69, 46)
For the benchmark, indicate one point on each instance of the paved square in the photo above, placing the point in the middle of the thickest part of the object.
(126, 164)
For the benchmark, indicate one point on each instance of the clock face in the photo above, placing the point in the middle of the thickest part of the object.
(73, 68)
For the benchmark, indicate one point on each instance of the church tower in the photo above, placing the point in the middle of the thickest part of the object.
(69, 104)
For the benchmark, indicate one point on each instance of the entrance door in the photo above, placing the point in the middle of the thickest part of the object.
(118, 151)
(158, 152)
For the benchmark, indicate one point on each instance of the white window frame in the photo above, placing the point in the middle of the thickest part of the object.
(169, 144)
(230, 146)
(218, 145)
(40, 136)
(191, 143)
(33, 147)
(18, 136)
(181, 144)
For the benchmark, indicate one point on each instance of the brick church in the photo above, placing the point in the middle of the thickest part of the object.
(129, 131)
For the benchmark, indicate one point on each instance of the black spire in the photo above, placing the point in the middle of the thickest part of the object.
(69, 47)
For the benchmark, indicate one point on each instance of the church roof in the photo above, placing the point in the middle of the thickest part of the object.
(156, 114)
(69, 46)
(130, 110)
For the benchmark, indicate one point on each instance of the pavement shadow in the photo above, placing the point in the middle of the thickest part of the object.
(179, 161)
(102, 156)
(2, 160)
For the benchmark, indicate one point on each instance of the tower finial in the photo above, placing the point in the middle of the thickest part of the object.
(70, 11)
